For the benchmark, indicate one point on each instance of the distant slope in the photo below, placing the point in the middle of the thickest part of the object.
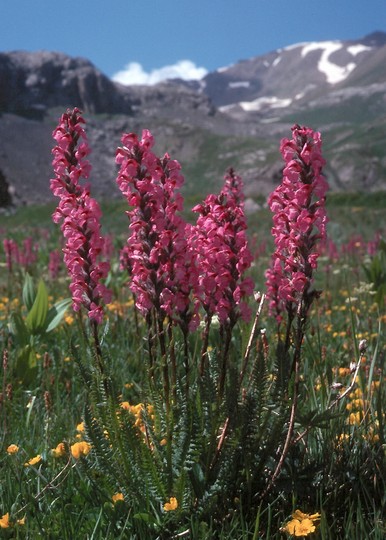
(235, 116)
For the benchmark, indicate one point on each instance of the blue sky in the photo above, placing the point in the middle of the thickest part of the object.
(141, 37)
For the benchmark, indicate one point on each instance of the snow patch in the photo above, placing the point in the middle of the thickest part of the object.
(295, 46)
(276, 61)
(269, 120)
(223, 69)
(239, 84)
(266, 101)
(226, 108)
(356, 49)
(334, 73)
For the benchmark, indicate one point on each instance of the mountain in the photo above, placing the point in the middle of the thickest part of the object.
(293, 75)
(234, 116)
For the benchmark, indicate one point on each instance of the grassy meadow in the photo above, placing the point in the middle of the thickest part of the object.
(80, 459)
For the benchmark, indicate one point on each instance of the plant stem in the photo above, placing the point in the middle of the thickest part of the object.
(252, 337)
(97, 345)
(172, 354)
(165, 367)
(205, 342)
(224, 363)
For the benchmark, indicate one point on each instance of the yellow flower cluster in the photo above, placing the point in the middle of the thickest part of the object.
(5, 522)
(33, 461)
(117, 497)
(138, 411)
(119, 308)
(6, 306)
(79, 449)
(171, 505)
(59, 451)
(301, 524)
(360, 409)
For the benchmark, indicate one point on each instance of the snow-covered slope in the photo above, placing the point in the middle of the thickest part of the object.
(297, 72)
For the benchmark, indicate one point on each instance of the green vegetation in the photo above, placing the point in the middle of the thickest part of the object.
(76, 487)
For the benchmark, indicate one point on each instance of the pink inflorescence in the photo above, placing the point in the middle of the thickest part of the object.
(157, 254)
(222, 250)
(299, 220)
(81, 216)
(24, 256)
(54, 263)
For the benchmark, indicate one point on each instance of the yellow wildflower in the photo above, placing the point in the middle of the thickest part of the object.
(80, 449)
(300, 528)
(298, 514)
(4, 521)
(342, 438)
(12, 449)
(355, 418)
(59, 451)
(117, 497)
(33, 461)
(171, 505)
(301, 524)
(80, 427)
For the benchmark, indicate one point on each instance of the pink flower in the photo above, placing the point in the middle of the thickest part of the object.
(223, 255)
(54, 263)
(157, 255)
(25, 256)
(80, 215)
(11, 250)
(299, 220)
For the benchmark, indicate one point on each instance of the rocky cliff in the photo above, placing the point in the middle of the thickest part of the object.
(235, 116)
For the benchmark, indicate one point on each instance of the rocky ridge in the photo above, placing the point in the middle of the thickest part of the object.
(235, 116)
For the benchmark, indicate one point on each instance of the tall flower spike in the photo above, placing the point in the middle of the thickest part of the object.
(157, 255)
(81, 216)
(299, 220)
(222, 252)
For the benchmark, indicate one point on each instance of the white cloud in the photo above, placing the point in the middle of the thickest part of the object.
(133, 73)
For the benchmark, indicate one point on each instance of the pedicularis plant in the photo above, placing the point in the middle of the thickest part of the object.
(213, 425)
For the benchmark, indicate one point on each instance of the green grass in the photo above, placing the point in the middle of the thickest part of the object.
(338, 468)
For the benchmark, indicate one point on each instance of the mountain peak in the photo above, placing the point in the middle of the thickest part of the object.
(375, 39)
(338, 87)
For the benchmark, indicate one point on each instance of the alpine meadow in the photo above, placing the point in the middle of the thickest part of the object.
(204, 373)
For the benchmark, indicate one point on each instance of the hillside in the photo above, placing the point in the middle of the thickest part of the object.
(235, 116)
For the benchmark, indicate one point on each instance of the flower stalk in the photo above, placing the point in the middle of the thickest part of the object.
(80, 216)
(299, 220)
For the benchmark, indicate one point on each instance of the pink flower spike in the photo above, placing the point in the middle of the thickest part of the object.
(222, 252)
(298, 205)
(80, 214)
(157, 255)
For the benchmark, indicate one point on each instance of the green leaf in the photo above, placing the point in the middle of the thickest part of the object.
(56, 314)
(197, 478)
(36, 318)
(18, 328)
(26, 367)
(143, 516)
(29, 292)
